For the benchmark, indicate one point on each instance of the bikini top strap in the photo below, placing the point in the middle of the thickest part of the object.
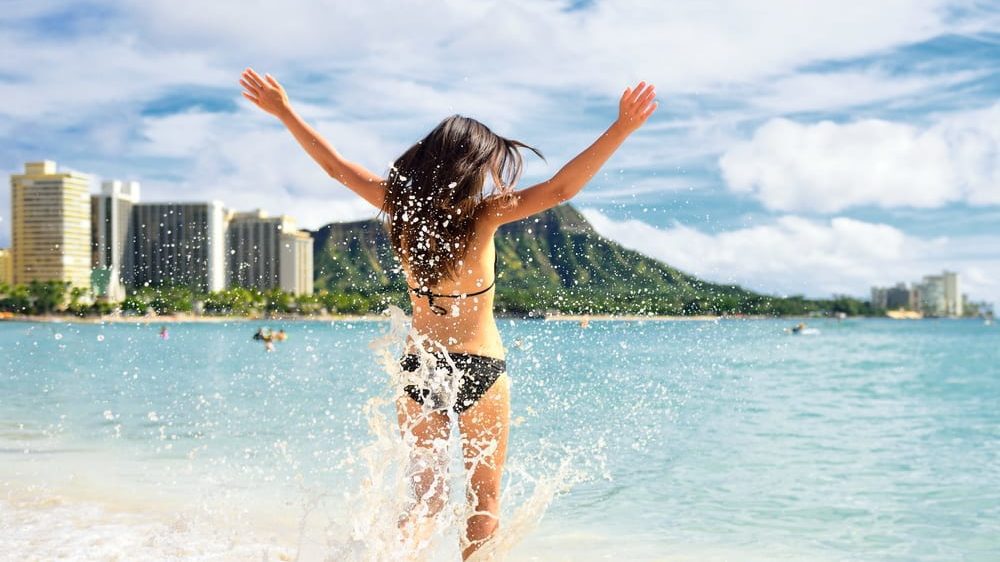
(440, 310)
(494, 282)
(435, 308)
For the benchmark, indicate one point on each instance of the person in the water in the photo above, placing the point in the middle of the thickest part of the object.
(441, 219)
(266, 337)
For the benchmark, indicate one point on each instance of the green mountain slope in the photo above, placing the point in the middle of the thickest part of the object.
(553, 261)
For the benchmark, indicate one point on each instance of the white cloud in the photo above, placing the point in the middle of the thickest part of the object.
(684, 45)
(813, 91)
(247, 161)
(828, 167)
(794, 255)
(62, 82)
(973, 139)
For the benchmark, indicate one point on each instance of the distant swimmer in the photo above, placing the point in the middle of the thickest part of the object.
(585, 323)
(164, 334)
(281, 335)
(801, 329)
(454, 366)
(264, 335)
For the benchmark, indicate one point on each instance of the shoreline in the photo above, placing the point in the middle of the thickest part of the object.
(210, 319)
(189, 319)
(640, 318)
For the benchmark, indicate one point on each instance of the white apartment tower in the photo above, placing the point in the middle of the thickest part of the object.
(952, 294)
(296, 257)
(268, 252)
(112, 235)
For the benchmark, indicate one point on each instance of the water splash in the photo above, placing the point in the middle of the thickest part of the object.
(412, 502)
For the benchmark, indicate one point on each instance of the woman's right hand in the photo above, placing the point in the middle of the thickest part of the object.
(636, 105)
(265, 93)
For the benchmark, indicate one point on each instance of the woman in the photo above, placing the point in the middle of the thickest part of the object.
(441, 222)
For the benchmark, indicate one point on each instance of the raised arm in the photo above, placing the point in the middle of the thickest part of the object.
(267, 94)
(635, 107)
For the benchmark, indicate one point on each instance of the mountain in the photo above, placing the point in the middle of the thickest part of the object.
(552, 261)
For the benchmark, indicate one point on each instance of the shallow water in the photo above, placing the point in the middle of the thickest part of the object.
(731, 440)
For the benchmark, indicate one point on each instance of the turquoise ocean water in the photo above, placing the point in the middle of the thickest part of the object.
(729, 440)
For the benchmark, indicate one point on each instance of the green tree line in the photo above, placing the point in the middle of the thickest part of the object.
(50, 297)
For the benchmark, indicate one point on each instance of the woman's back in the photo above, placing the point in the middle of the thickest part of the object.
(457, 313)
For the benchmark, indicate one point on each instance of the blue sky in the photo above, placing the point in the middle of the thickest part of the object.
(800, 147)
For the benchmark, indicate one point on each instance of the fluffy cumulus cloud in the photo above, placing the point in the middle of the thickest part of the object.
(795, 255)
(828, 167)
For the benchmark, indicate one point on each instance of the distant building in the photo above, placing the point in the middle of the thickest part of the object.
(893, 298)
(880, 298)
(268, 252)
(953, 301)
(935, 295)
(6, 267)
(50, 225)
(112, 236)
(296, 256)
(179, 244)
(898, 297)
(933, 300)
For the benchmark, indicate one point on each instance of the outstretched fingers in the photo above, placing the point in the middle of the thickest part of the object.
(637, 104)
(644, 94)
(645, 100)
(250, 87)
(252, 76)
(637, 93)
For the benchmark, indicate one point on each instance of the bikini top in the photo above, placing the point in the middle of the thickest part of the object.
(440, 310)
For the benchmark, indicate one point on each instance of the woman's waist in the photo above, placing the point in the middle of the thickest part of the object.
(468, 362)
(481, 345)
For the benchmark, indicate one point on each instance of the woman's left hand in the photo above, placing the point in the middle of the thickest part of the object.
(265, 93)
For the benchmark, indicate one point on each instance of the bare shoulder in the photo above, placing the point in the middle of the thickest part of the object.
(490, 214)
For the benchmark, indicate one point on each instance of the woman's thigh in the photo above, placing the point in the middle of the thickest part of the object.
(485, 427)
(425, 425)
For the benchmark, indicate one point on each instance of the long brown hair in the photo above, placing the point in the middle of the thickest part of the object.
(435, 188)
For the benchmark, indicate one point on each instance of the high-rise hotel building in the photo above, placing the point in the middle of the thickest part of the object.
(111, 242)
(179, 244)
(112, 233)
(50, 225)
(268, 252)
